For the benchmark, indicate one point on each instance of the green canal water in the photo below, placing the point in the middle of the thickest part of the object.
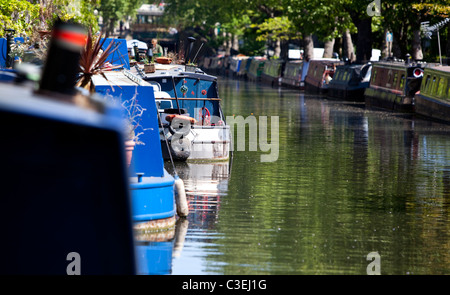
(348, 181)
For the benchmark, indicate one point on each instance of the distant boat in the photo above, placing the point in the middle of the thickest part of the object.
(320, 73)
(190, 98)
(350, 81)
(255, 68)
(393, 86)
(433, 100)
(292, 75)
(272, 72)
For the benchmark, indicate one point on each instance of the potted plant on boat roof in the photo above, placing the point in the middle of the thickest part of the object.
(93, 61)
(132, 117)
(149, 65)
(190, 67)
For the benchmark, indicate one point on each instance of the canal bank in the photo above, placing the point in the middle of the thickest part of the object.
(348, 182)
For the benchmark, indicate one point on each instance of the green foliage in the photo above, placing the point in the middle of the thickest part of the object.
(19, 15)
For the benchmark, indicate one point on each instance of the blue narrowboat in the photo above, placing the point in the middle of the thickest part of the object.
(151, 186)
(193, 125)
(64, 206)
(350, 81)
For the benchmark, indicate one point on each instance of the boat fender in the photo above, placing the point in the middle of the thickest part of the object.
(180, 148)
(180, 198)
(180, 124)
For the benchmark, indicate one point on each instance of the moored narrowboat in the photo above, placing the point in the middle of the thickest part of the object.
(433, 100)
(350, 81)
(292, 75)
(255, 69)
(393, 86)
(193, 126)
(272, 72)
(152, 188)
(320, 73)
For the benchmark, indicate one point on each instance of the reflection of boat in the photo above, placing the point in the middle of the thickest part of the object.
(181, 94)
(155, 252)
(433, 100)
(206, 184)
(393, 86)
(320, 72)
(350, 81)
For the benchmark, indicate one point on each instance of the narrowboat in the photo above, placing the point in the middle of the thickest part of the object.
(272, 72)
(320, 73)
(235, 64)
(393, 86)
(255, 69)
(433, 100)
(64, 206)
(292, 75)
(243, 69)
(350, 81)
(193, 126)
(151, 186)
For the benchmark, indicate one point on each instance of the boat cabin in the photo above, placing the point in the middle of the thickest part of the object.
(393, 85)
(433, 100)
(272, 71)
(292, 75)
(350, 81)
(255, 69)
(320, 73)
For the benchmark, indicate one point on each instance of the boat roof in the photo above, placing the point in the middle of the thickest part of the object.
(445, 69)
(174, 70)
(397, 64)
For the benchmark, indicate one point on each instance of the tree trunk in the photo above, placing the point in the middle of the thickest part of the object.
(417, 46)
(349, 50)
(235, 42)
(284, 50)
(308, 47)
(364, 44)
(385, 47)
(328, 48)
(277, 50)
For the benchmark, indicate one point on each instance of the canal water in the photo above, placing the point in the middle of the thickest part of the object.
(347, 182)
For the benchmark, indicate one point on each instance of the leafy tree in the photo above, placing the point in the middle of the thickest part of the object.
(113, 11)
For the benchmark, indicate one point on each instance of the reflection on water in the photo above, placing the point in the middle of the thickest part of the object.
(348, 181)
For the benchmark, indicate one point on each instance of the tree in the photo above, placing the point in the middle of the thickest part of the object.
(113, 11)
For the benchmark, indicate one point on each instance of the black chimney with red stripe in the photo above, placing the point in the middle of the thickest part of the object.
(62, 65)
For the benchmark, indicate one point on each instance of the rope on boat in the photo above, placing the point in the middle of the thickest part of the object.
(180, 192)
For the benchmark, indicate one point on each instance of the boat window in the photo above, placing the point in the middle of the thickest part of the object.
(447, 97)
(349, 74)
(374, 76)
(441, 87)
(394, 82)
(402, 81)
(433, 86)
(426, 84)
(164, 104)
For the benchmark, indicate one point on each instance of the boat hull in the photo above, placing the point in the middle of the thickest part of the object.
(152, 198)
(386, 99)
(432, 108)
